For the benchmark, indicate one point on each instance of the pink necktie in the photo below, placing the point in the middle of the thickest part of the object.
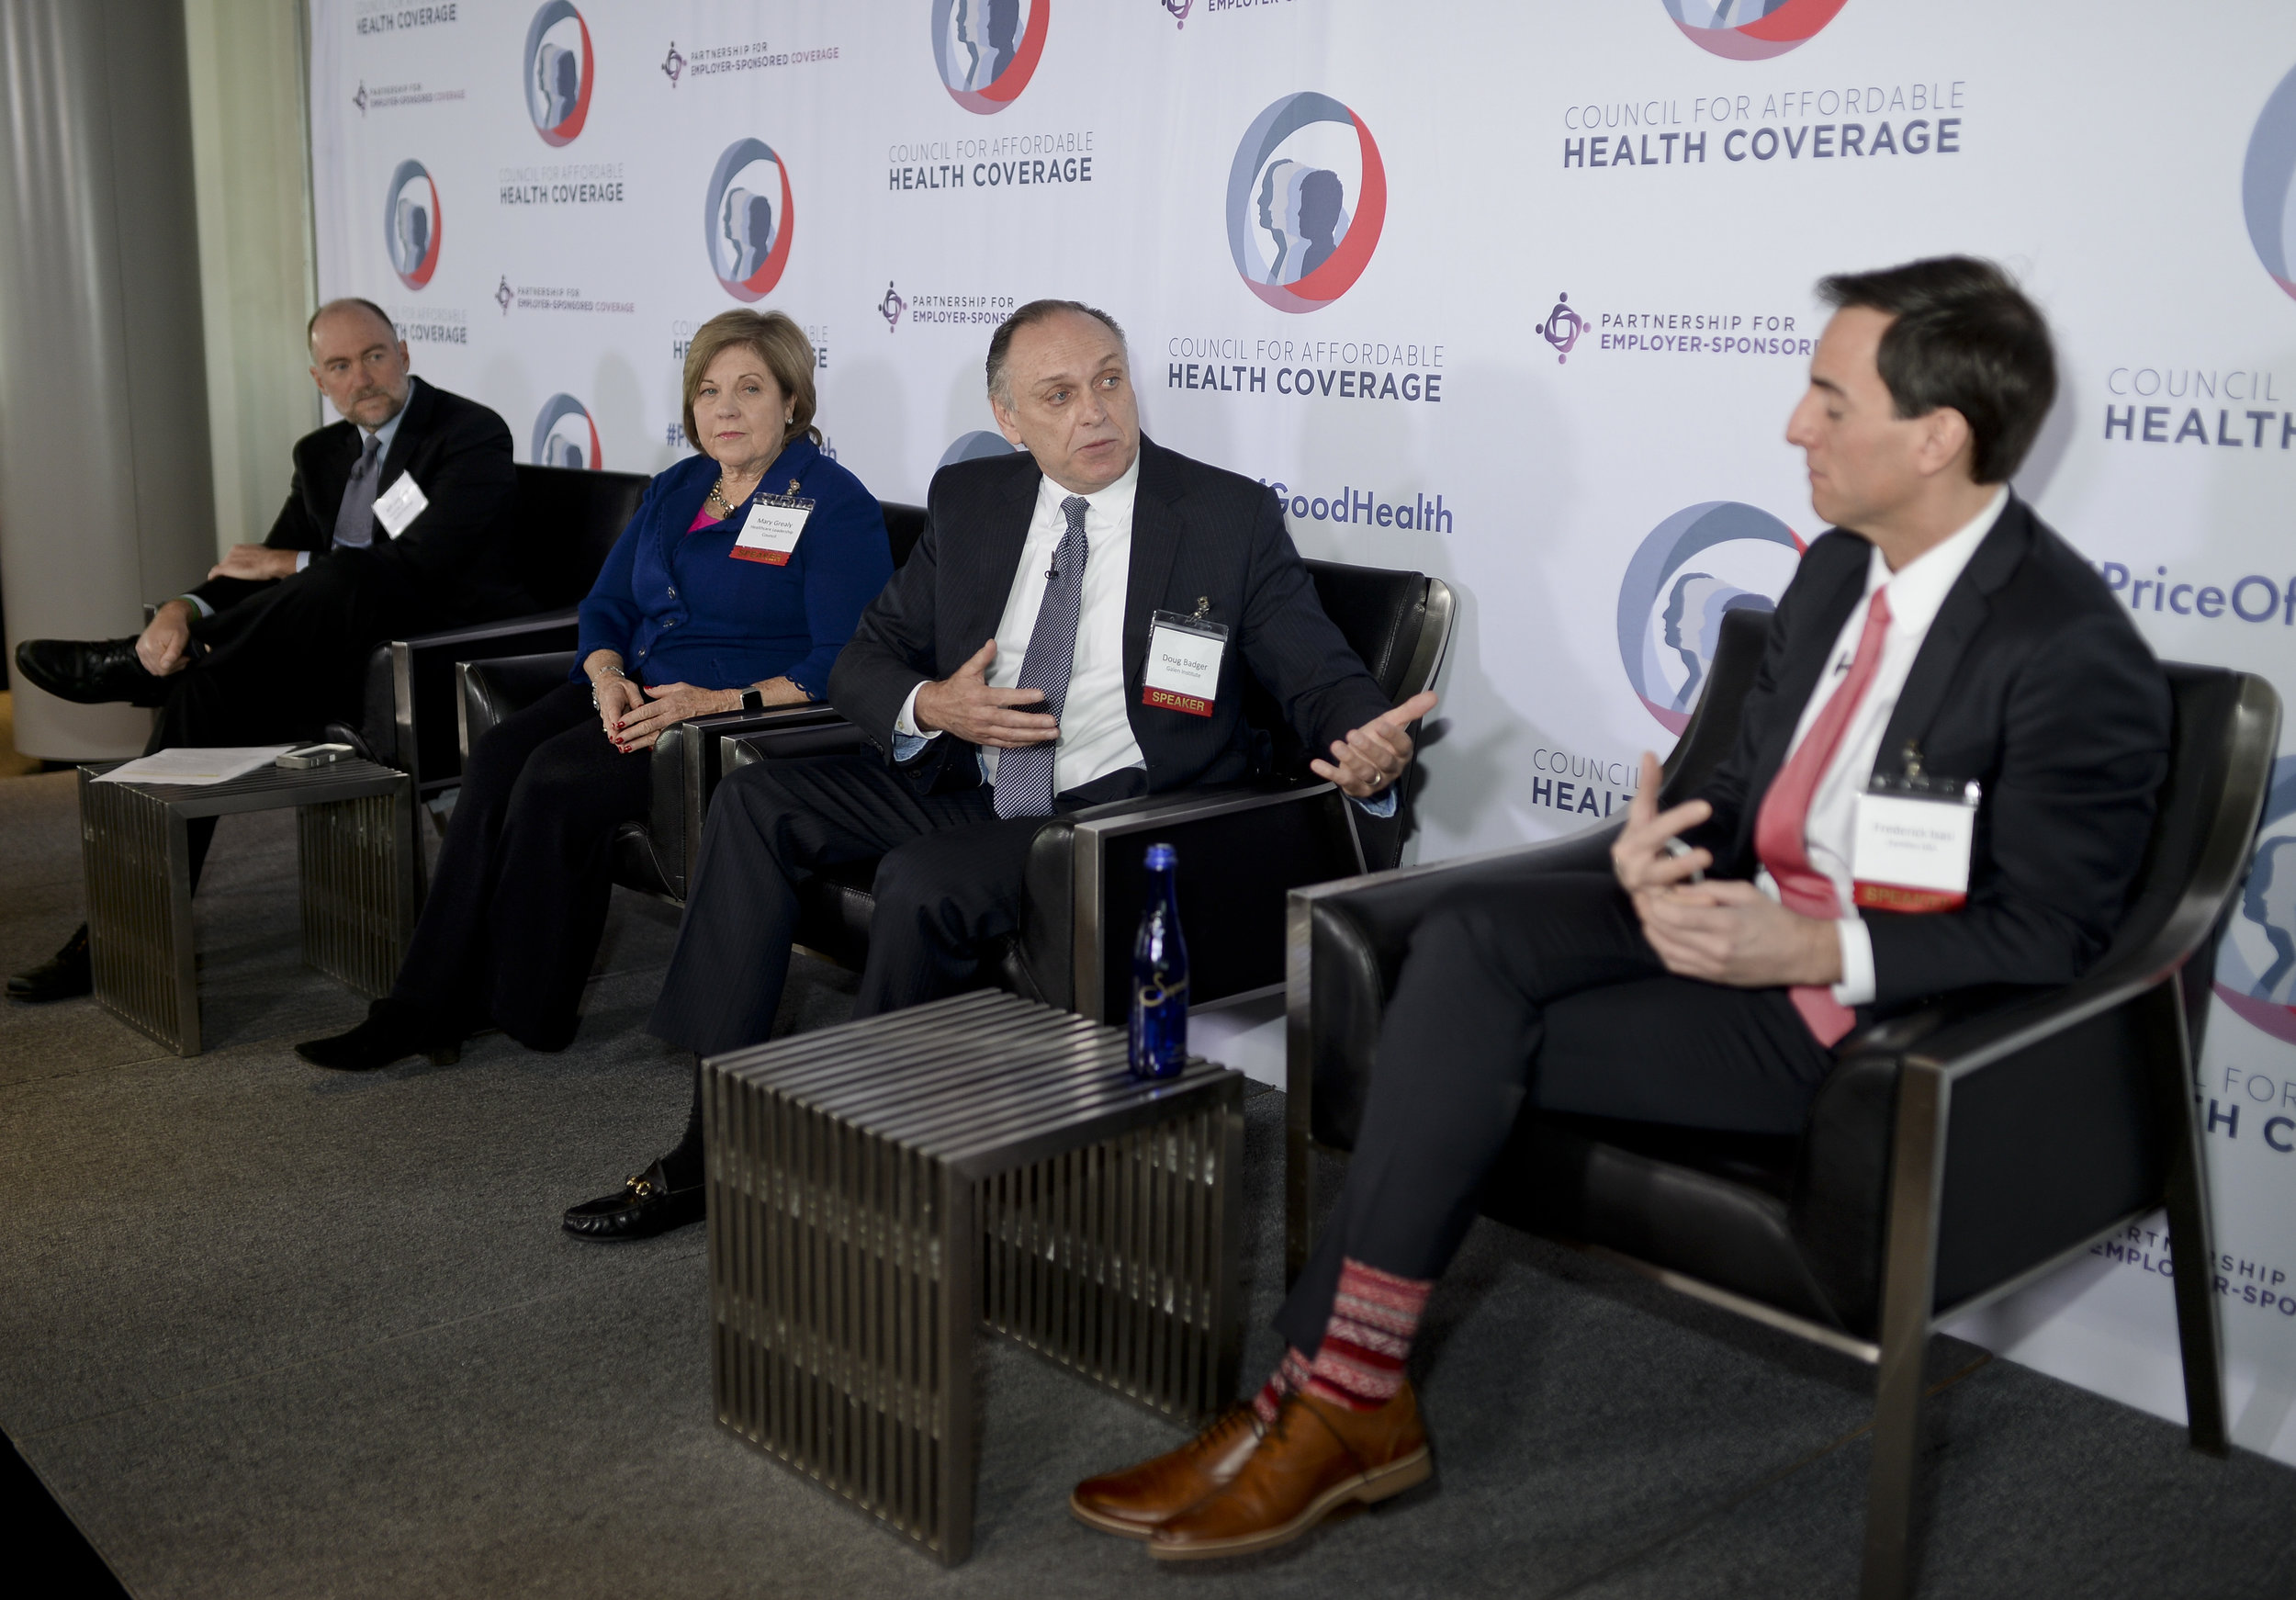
(1784, 815)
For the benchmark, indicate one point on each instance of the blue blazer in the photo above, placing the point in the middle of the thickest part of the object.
(681, 609)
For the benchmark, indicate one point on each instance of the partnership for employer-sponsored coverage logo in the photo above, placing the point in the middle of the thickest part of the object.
(1307, 194)
(746, 218)
(988, 49)
(2268, 185)
(1694, 569)
(1750, 30)
(560, 69)
(411, 223)
(564, 434)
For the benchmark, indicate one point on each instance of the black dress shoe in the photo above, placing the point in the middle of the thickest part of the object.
(392, 1031)
(90, 671)
(62, 977)
(643, 1206)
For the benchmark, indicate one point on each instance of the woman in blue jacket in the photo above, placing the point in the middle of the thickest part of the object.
(735, 586)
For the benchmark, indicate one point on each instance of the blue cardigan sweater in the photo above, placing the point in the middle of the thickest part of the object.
(681, 609)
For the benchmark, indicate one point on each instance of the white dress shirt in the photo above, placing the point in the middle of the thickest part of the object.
(1096, 737)
(1917, 590)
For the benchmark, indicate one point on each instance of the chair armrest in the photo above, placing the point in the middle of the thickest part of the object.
(490, 691)
(831, 736)
(1242, 848)
(689, 759)
(427, 696)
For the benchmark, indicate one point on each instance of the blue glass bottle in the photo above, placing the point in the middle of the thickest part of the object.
(1159, 1046)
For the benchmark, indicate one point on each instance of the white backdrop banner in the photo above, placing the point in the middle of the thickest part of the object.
(1518, 296)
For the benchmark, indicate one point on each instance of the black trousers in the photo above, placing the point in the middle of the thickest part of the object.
(519, 891)
(949, 879)
(1544, 992)
(281, 665)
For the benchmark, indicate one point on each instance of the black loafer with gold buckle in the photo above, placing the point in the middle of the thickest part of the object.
(642, 1208)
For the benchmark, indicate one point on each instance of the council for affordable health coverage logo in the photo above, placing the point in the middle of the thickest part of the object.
(410, 224)
(1752, 31)
(564, 434)
(988, 49)
(1694, 569)
(559, 67)
(746, 219)
(2256, 964)
(1307, 194)
(2268, 185)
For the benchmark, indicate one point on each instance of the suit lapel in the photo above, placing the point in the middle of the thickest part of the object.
(1966, 606)
(1156, 543)
(408, 436)
(990, 560)
(1803, 672)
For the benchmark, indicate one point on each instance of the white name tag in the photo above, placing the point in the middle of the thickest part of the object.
(770, 533)
(1912, 852)
(1182, 663)
(399, 504)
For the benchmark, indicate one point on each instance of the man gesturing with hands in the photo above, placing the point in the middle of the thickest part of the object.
(1075, 626)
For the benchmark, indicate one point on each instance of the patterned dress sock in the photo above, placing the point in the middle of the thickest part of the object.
(1289, 1377)
(1374, 1316)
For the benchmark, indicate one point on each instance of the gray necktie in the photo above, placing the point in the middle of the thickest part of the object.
(1024, 777)
(354, 518)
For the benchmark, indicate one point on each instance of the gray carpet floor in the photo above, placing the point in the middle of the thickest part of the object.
(268, 1331)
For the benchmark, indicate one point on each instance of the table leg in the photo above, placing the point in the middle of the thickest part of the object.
(358, 904)
(136, 860)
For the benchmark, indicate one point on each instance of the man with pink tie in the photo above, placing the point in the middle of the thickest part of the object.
(1941, 650)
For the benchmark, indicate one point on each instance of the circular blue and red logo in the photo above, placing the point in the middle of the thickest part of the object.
(2268, 185)
(746, 219)
(977, 445)
(2256, 964)
(564, 434)
(1694, 569)
(559, 65)
(988, 49)
(1307, 194)
(1752, 31)
(410, 224)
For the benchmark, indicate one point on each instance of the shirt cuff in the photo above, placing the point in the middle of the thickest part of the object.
(1856, 987)
(1380, 805)
(302, 560)
(908, 738)
(197, 604)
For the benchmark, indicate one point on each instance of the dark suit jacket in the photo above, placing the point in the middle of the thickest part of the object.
(454, 563)
(2032, 681)
(1198, 533)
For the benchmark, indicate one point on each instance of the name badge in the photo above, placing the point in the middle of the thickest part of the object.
(1912, 850)
(770, 533)
(1184, 661)
(400, 504)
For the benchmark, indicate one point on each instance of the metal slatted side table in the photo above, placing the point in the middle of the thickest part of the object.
(879, 1190)
(354, 837)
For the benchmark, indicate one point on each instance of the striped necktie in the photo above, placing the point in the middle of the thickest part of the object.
(1024, 777)
(354, 518)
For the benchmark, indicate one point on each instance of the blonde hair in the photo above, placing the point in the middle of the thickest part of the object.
(778, 342)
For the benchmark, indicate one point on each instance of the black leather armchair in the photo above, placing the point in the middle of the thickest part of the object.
(656, 856)
(1241, 847)
(1923, 1185)
(566, 521)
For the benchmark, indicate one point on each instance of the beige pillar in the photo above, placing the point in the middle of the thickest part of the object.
(105, 499)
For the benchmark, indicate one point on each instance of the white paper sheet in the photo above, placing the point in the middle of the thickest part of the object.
(195, 766)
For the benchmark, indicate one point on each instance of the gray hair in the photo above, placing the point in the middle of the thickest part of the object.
(1035, 311)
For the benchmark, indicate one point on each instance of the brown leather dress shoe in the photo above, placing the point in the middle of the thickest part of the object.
(1316, 1457)
(1134, 1502)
